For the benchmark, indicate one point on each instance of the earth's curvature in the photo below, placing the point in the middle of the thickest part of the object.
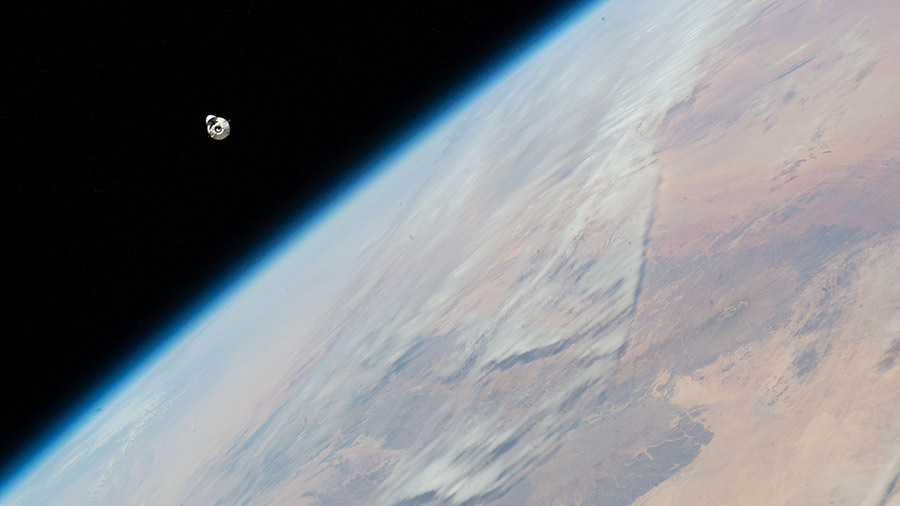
(655, 262)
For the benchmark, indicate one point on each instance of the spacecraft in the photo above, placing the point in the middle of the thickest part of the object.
(217, 128)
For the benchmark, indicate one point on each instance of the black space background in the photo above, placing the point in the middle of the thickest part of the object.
(119, 214)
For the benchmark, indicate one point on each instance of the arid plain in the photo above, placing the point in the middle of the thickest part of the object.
(779, 212)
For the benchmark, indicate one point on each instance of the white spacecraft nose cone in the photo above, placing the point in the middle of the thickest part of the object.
(217, 128)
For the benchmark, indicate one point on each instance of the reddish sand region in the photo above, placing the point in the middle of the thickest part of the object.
(796, 124)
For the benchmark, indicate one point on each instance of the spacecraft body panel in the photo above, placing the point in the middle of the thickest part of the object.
(217, 128)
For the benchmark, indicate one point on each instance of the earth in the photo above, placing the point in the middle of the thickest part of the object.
(654, 261)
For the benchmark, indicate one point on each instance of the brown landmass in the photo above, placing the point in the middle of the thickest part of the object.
(770, 305)
(763, 363)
